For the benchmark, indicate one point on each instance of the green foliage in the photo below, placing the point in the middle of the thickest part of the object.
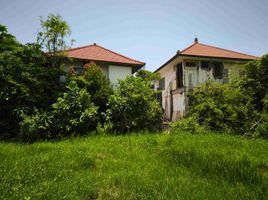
(133, 106)
(147, 75)
(72, 114)
(36, 127)
(256, 80)
(96, 84)
(53, 35)
(188, 125)
(138, 166)
(105, 128)
(7, 41)
(222, 107)
(261, 129)
(26, 82)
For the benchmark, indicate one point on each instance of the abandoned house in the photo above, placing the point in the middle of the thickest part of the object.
(114, 65)
(196, 64)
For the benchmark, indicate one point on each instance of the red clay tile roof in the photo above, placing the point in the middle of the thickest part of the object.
(98, 53)
(198, 49)
(203, 50)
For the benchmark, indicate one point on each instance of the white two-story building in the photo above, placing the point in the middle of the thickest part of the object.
(196, 64)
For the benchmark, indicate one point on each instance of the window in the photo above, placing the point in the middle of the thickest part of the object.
(78, 70)
(179, 76)
(218, 70)
(162, 83)
(190, 64)
(205, 65)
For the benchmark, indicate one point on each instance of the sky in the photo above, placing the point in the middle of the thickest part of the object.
(147, 30)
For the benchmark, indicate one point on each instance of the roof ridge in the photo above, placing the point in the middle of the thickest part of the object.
(94, 44)
(76, 48)
(227, 50)
(118, 54)
(187, 47)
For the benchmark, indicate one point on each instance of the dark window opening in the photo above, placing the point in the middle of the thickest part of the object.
(205, 65)
(179, 76)
(162, 84)
(78, 70)
(190, 64)
(218, 70)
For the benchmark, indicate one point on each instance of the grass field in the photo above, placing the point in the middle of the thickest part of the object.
(158, 166)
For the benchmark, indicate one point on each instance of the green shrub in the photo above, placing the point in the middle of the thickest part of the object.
(222, 107)
(72, 114)
(256, 81)
(106, 128)
(26, 82)
(188, 125)
(261, 129)
(96, 84)
(36, 127)
(134, 106)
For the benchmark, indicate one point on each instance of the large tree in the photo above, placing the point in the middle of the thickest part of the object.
(54, 33)
(26, 82)
(7, 41)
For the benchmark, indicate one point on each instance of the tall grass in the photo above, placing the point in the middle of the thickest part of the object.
(153, 166)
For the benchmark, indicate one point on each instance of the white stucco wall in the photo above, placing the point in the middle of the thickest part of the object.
(169, 73)
(118, 72)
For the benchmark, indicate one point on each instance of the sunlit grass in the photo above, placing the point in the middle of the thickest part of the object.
(154, 166)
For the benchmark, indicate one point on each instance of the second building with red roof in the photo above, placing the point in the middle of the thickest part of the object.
(114, 65)
(192, 66)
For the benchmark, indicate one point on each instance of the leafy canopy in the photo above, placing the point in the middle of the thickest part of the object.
(256, 80)
(97, 85)
(134, 106)
(26, 82)
(54, 33)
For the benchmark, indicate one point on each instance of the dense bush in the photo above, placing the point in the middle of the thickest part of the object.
(240, 107)
(222, 107)
(261, 129)
(72, 114)
(188, 125)
(35, 127)
(133, 106)
(96, 84)
(26, 82)
(256, 81)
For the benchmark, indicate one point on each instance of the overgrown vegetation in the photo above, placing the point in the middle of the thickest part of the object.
(97, 85)
(238, 108)
(153, 166)
(134, 107)
(26, 82)
(73, 114)
(35, 105)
